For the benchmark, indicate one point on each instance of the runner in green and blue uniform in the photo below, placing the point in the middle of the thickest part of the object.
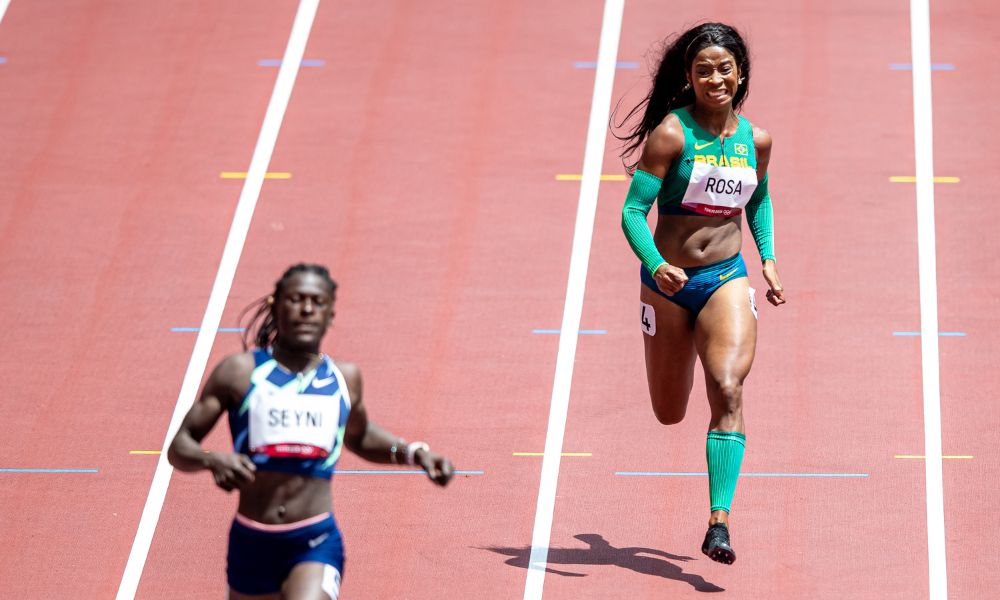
(705, 166)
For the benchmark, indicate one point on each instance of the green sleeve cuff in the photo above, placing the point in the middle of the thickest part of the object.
(641, 194)
(760, 220)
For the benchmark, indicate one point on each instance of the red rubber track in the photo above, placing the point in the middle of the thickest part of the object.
(832, 391)
(968, 287)
(423, 156)
(417, 176)
(117, 119)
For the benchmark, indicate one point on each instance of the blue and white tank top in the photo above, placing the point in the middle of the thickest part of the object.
(292, 422)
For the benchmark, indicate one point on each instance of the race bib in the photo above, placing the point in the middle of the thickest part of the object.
(287, 424)
(719, 191)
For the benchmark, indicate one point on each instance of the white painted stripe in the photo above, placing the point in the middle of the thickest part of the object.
(593, 159)
(3, 8)
(220, 289)
(923, 138)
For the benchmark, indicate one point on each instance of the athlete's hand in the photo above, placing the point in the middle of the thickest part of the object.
(670, 279)
(439, 468)
(775, 295)
(231, 471)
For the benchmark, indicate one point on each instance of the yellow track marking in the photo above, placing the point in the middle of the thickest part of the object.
(580, 177)
(912, 179)
(243, 175)
(143, 451)
(543, 454)
(954, 457)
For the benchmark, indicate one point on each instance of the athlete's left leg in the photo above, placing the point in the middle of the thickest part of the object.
(312, 581)
(726, 339)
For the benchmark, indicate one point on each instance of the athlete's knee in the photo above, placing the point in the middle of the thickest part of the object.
(728, 395)
(669, 410)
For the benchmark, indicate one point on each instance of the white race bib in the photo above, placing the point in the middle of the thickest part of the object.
(285, 423)
(719, 191)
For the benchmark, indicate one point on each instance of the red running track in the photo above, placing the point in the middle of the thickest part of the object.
(422, 157)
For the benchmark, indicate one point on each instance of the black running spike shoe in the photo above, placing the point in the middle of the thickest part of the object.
(716, 545)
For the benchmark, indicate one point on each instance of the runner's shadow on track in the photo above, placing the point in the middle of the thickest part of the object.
(647, 561)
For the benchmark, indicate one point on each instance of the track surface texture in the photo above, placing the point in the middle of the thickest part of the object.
(423, 151)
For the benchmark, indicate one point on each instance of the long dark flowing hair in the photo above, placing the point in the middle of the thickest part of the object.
(670, 88)
(261, 328)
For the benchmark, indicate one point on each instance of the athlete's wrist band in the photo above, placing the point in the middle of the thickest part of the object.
(411, 450)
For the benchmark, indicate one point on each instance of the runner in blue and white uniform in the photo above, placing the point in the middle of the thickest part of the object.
(291, 410)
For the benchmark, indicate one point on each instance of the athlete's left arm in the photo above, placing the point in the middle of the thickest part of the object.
(371, 442)
(760, 218)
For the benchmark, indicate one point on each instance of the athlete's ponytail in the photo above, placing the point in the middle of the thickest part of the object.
(670, 88)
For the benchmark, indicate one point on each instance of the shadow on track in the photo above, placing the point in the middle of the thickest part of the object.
(647, 561)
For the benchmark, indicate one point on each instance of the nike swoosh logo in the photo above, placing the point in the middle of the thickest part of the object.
(698, 146)
(322, 383)
(727, 275)
(316, 541)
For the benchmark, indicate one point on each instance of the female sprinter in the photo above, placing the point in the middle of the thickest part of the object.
(705, 165)
(290, 409)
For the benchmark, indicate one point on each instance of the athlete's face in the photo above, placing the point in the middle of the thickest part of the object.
(714, 77)
(303, 311)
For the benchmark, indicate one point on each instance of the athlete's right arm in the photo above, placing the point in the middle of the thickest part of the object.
(223, 388)
(663, 146)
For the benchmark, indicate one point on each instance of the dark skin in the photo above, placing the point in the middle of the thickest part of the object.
(724, 335)
(303, 311)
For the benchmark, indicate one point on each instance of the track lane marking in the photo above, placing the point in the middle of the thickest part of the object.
(3, 8)
(913, 179)
(243, 175)
(593, 158)
(578, 454)
(946, 457)
(923, 141)
(577, 177)
(263, 150)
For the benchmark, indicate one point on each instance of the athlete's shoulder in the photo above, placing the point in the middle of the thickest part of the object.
(664, 144)
(761, 139)
(231, 377)
(352, 376)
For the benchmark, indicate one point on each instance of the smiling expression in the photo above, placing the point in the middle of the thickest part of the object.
(714, 77)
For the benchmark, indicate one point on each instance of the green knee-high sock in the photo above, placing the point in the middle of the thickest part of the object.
(724, 450)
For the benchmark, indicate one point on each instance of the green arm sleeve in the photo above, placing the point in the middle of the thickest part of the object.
(760, 219)
(641, 195)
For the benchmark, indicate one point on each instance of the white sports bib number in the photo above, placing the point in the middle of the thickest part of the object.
(293, 425)
(648, 318)
(719, 191)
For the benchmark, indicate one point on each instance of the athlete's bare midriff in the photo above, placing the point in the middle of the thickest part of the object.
(691, 241)
(275, 498)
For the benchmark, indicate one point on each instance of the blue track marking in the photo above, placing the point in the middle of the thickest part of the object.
(934, 67)
(582, 331)
(48, 470)
(703, 474)
(917, 333)
(276, 62)
(3, 60)
(197, 329)
(397, 472)
(593, 65)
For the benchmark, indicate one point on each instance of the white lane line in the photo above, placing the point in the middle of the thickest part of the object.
(3, 8)
(920, 40)
(220, 289)
(593, 159)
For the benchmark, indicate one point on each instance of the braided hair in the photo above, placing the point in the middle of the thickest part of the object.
(261, 328)
(670, 88)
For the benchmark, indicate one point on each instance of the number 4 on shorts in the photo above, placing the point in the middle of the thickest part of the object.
(648, 317)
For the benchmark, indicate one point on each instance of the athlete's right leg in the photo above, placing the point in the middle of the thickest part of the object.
(668, 334)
